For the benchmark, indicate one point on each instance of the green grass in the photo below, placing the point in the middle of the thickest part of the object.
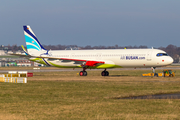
(65, 95)
(9, 56)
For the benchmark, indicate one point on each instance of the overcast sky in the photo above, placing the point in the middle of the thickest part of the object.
(92, 22)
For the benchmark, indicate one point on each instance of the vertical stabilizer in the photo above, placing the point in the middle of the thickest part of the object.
(32, 43)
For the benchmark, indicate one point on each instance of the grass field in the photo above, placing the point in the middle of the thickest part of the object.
(65, 95)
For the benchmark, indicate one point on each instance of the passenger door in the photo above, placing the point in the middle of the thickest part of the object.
(149, 58)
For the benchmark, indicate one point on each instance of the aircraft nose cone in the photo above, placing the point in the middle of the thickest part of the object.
(170, 60)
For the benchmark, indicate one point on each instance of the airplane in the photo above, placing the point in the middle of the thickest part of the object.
(93, 59)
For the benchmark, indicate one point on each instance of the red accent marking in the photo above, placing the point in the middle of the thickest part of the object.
(93, 63)
(144, 64)
(88, 63)
(81, 73)
(162, 60)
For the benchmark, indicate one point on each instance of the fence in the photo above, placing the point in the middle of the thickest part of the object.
(15, 77)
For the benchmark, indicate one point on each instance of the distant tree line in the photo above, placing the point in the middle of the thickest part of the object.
(172, 50)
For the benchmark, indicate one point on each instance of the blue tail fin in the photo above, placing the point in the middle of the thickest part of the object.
(32, 43)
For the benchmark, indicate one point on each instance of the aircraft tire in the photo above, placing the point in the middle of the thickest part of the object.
(106, 73)
(103, 73)
(81, 73)
(84, 73)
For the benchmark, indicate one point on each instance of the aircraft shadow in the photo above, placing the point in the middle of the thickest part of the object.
(117, 75)
(158, 96)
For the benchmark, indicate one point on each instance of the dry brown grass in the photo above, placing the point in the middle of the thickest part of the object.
(9, 116)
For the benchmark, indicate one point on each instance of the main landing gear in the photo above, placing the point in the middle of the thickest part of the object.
(105, 73)
(83, 73)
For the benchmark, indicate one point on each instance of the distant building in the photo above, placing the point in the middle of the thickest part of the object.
(38, 64)
(24, 63)
(8, 60)
(10, 52)
(4, 48)
(2, 52)
(18, 52)
(10, 64)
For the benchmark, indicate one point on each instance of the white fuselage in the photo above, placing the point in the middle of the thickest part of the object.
(112, 57)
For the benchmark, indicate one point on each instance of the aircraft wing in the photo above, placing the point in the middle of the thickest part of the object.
(21, 55)
(90, 63)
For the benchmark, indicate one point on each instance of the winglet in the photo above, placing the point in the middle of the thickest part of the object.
(24, 50)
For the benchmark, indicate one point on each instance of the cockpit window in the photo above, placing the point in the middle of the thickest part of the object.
(162, 54)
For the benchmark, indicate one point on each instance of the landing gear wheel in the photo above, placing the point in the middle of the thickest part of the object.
(105, 73)
(83, 73)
